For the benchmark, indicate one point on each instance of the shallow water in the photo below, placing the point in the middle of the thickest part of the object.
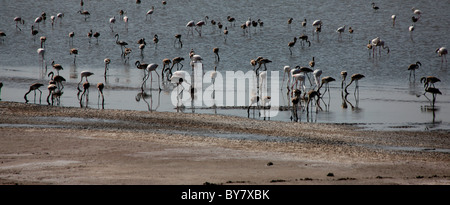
(387, 100)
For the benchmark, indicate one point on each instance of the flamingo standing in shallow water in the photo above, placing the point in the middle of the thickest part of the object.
(34, 87)
(442, 51)
(356, 78)
(412, 69)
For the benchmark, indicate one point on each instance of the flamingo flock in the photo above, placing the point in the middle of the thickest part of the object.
(295, 76)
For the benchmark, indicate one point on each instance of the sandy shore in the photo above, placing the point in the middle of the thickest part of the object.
(54, 145)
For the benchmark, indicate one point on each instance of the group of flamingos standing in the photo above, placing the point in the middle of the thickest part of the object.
(296, 76)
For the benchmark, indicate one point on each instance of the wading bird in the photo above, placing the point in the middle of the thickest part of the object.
(326, 80)
(107, 62)
(340, 30)
(100, 87)
(343, 76)
(152, 68)
(57, 80)
(19, 20)
(84, 74)
(57, 67)
(429, 80)
(412, 69)
(177, 61)
(96, 35)
(356, 78)
(216, 52)
(156, 40)
(292, 44)
(442, 51)
(178, 37)
(122, 44)
(296, 104)
(85, 13)
(150, 12)
(74, 51)
(34, 87)
(434, 92)
(393, 17)
(112, 21)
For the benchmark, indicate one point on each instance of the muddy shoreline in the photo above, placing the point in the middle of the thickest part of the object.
(62, 145)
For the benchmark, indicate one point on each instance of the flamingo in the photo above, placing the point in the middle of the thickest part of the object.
(429, 80)
(356, 78)
(112, 21)
(178, 36)
(60, 16)
(312, 63)
(107, 62)
(292, 44)
(306, 70)
(89, 35)
(150, 68)
(340, 30)
(53, 19)
(34, 32)
(343, 76)
(18, 20)
(216, 52)
(214, 75)
(177, 60)
(434, 92)
(166, 66)
(57, 67)
(412, 69)
(74, 51)
(85, 13)
(96, 35)
(51, 89)
(295, 101)
(304, 38)
(411, 29)
(100, 87)
(190, 25)
(326, 80)
(262, 61)
(34, 87)
(287, 69)
(289, 21)
(317, 73)
(84, 74)
(199, 25)
(393, 17)
(225, 32)
(155, 40)
(86, 86)
(56, 79)
(231, 20)
(150, 12)
(38, 20)
(125, 19)
(71, 35)
(442, 51)
(41, 52)
(120, 43)
(416, 11)
(298, 77)
(1, 85)
(311, 95)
